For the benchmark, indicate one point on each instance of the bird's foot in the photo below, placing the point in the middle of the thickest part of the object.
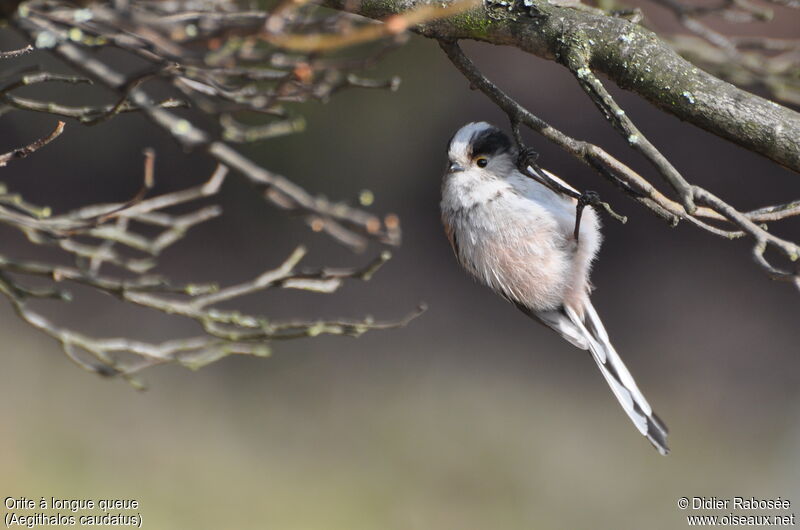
(527, 157)
(587, 198)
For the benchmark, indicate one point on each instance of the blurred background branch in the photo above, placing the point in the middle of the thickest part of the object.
(113, 225)
(195, 50)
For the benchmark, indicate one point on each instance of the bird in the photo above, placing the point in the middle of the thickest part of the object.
(518, 237)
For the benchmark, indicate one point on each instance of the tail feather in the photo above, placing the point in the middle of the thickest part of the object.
(619, 378)
(598, 331)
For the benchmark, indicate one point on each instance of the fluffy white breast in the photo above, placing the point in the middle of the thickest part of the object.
(516, 236)
(468, 189)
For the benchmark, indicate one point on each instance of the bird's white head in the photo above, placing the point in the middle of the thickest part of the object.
(482, 150)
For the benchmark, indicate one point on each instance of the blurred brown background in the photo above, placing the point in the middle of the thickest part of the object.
(472, 417)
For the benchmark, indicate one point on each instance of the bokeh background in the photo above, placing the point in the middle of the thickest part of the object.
(472, 417)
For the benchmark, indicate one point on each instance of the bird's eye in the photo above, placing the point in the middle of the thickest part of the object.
(482, 161)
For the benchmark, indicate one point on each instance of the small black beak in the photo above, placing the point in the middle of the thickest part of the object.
(454, 168)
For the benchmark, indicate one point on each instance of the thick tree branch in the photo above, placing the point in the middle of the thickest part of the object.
(632, 56)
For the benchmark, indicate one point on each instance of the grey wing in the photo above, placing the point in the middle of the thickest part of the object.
(558, 321)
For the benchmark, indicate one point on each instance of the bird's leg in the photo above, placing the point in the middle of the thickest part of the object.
(526, 163)
(592, 198)
(587, 198)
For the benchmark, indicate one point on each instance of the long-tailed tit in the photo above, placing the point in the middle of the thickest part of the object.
(517, 237)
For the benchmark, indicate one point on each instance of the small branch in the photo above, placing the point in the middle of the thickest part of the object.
(763, 239)
(148, 183)
(774, 213)
(726, 56)
(16, 53)
(350, 226)
(23, 152)
(392, 26)
(625, 126)
(41, 78)
(228, 332)
(87, 115)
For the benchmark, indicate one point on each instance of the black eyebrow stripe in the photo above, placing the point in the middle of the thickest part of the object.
(490, 142)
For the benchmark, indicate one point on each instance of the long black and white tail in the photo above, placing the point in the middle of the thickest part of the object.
(618, 377)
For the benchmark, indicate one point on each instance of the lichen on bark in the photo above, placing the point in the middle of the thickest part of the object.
(634, 57)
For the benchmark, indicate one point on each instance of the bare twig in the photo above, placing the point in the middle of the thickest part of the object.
(226, 331)
(742, 60)
(619, 119)
(16, 53)
(220, 65)
(350, 226)
(22, 152)
(392, 26)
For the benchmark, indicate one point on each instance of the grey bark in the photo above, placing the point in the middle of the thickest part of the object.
(632, 56)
